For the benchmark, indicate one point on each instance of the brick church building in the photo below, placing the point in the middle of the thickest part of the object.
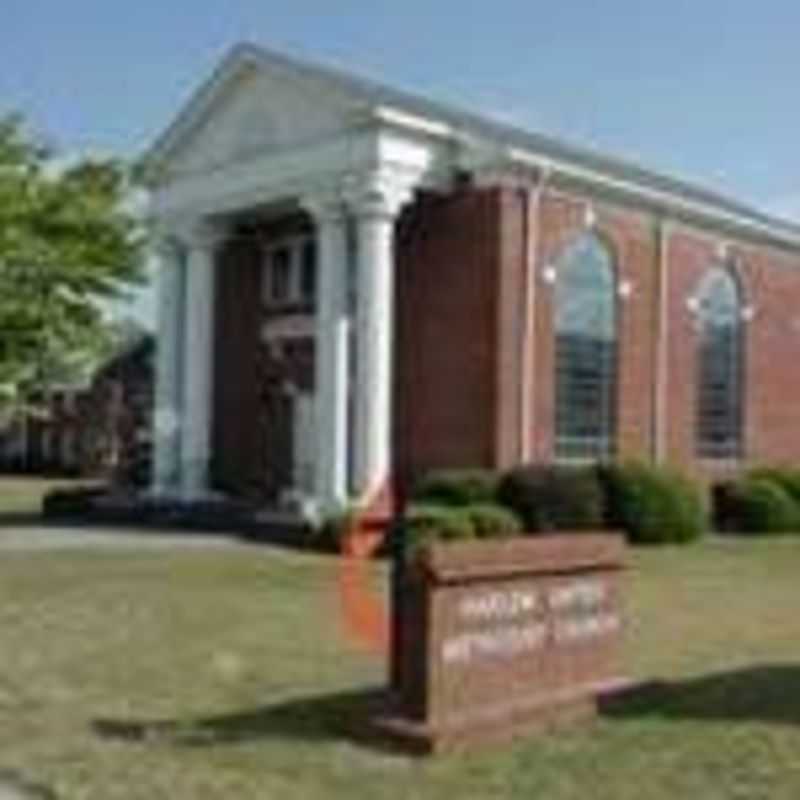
(358, 284)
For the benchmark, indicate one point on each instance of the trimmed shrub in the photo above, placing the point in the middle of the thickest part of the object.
(653, 505)
(549, 498)
(755, 505)
(724, 506)
(492, 521)
(428, 523)
(458, 487)
(788, 479)
(71, 502)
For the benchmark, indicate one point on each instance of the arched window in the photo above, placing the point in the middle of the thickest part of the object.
(586, 351)
(720, 361)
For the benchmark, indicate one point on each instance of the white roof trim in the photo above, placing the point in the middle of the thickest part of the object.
(662, 199)
(413, 122)
(420, 115)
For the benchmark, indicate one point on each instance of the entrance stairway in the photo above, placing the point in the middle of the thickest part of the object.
(216, 514)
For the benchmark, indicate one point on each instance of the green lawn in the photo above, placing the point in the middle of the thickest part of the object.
(222, 674)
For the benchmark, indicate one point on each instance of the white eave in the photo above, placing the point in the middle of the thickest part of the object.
(412, 122)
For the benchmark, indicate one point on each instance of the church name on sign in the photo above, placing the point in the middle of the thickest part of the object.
(567, 613)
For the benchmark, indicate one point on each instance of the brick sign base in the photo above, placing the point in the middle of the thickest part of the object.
(494, 639)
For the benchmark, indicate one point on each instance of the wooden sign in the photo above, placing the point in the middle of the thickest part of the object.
(498, 637)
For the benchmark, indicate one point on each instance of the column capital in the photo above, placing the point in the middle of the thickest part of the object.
(379, 193)
(166, 245)
(200, 234)
(164, 238)
(324, 204)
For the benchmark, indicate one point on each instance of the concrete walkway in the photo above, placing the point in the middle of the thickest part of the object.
(31, 537)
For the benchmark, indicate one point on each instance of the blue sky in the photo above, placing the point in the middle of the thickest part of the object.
(706, 90)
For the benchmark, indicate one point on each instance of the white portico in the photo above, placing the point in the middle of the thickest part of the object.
(264, 135)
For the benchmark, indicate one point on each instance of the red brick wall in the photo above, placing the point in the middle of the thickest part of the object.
(236, 459)
(772, 284)
(448, 258)
(285, 367)
(253, 381)
(770, 281)
(516, 219)
(461, 301)
(461, 278)
(687, 261)
(632, 241)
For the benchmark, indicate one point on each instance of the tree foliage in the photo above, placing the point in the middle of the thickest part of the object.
(69, 243)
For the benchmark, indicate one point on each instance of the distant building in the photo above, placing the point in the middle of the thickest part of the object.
(102, 430)
(117, 412)
(46, 436)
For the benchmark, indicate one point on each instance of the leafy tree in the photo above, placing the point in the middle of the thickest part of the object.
(69, 243)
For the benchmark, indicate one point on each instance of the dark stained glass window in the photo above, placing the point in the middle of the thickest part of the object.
(720, 362)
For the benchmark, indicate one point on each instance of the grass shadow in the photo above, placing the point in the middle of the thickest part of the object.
(22, 519)
(333, 717)
(769, 694)
(14, 786)
(75, 524)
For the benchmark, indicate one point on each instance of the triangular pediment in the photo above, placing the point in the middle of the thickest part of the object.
(252, 107)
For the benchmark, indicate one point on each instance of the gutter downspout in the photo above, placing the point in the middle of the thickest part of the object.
(532, 210)
(661, 345)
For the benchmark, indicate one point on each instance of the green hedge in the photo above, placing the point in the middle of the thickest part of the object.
(71, 502)
(492, 521)
(551, 498)
(756, 505)
(428, 523)
(458, 487)
(785, 477)
(653, 505)
(650, 504)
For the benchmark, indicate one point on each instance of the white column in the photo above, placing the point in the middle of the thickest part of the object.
(198, 360)
(169, 343)
(376, 204)
(331, 354)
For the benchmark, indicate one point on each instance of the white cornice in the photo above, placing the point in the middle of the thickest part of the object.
(667, 201)
(350, 159)
(263, 179)
(410, 122)
(479, 154)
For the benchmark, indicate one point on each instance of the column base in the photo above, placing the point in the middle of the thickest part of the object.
(179, 496)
